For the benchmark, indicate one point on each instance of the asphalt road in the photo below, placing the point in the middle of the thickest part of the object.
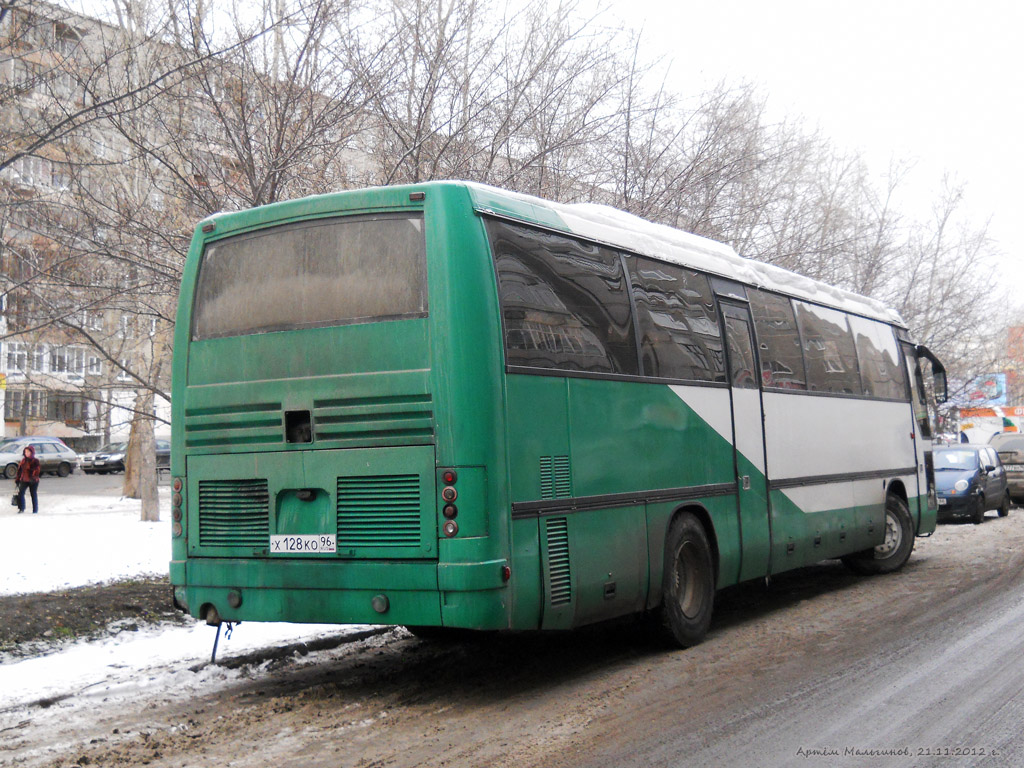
(943, 686)
(80, 484)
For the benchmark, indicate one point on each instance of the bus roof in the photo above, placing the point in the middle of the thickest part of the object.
(609, 225)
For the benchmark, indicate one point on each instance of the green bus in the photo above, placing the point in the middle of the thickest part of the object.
(448, 405)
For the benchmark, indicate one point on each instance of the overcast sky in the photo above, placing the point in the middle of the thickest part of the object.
(940, 83)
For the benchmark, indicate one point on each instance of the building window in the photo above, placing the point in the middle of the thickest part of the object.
(95, 366)
(66, 408)
(36, 404)
(58, 360)
(124, 329)
(16, 358)
(67, 360)
(123, 374)
(90, 320)
(39, 358)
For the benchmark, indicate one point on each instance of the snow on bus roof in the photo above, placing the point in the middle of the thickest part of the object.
(610, 225)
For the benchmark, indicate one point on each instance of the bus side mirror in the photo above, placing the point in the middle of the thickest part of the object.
(938, 373)
(939, 386)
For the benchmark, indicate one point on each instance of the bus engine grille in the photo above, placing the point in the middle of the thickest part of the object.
(559, 575)
(379, 511)
(234, 513)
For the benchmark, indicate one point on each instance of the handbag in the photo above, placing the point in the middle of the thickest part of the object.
(14, 500)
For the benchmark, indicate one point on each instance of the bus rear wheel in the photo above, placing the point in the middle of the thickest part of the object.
(688, 582)
(893, 553)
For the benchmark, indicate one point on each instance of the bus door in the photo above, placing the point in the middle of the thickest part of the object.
(920, 428)
(748, 441)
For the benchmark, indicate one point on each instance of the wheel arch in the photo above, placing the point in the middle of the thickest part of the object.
(896, 487)
(700, 512)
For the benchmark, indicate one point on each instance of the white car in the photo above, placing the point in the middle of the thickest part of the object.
(54, 456)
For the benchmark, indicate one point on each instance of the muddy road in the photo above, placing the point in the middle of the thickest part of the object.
(919, 668)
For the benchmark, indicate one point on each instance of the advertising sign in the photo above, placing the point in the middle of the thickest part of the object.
(987, 391)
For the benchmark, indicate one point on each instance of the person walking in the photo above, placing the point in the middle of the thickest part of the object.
(28, 478)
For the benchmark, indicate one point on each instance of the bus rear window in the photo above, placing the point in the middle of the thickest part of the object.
(311, 274)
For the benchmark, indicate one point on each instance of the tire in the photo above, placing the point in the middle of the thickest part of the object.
(63, 469)
(11, 471)
(978, 516)
(893, 553)
(688, 582)
(1004, 506)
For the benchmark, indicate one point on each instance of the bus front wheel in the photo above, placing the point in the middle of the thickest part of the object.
(894, 551)
(688, 583)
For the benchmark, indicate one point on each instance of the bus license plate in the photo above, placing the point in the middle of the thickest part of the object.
(305, 543)
(942, 501)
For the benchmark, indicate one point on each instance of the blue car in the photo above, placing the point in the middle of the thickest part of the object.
(969, 481)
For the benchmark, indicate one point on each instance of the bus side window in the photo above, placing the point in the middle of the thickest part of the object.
(880, 372)
(564, 303)
(829, 351)
(677, 322)
(782, 360)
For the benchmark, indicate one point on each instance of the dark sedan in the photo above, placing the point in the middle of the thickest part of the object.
(969, 481)
(110, 458)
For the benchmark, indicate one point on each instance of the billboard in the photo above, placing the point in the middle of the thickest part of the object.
(986, 391)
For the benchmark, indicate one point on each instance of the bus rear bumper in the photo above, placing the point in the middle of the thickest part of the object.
(470, 595)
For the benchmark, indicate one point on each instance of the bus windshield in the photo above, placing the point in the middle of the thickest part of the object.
(312, 274)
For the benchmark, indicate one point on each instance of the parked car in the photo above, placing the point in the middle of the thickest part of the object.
(1010, 447)
(54, 455)
(110, 458)
(969, 481)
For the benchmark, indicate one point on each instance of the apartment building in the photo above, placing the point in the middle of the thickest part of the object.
(74, 345)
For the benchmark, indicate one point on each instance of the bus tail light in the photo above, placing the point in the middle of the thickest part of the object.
(177, 505)
(449, 495)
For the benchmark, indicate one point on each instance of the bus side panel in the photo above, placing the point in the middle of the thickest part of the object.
(626, 438)
(538, 442)
(825, 445)
(609, 549)
(629, 436)
(841, 524)
(528, 595)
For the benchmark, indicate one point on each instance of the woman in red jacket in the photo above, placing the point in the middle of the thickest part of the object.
(28, 477)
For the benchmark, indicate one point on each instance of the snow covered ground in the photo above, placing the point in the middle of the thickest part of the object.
(80, 539)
